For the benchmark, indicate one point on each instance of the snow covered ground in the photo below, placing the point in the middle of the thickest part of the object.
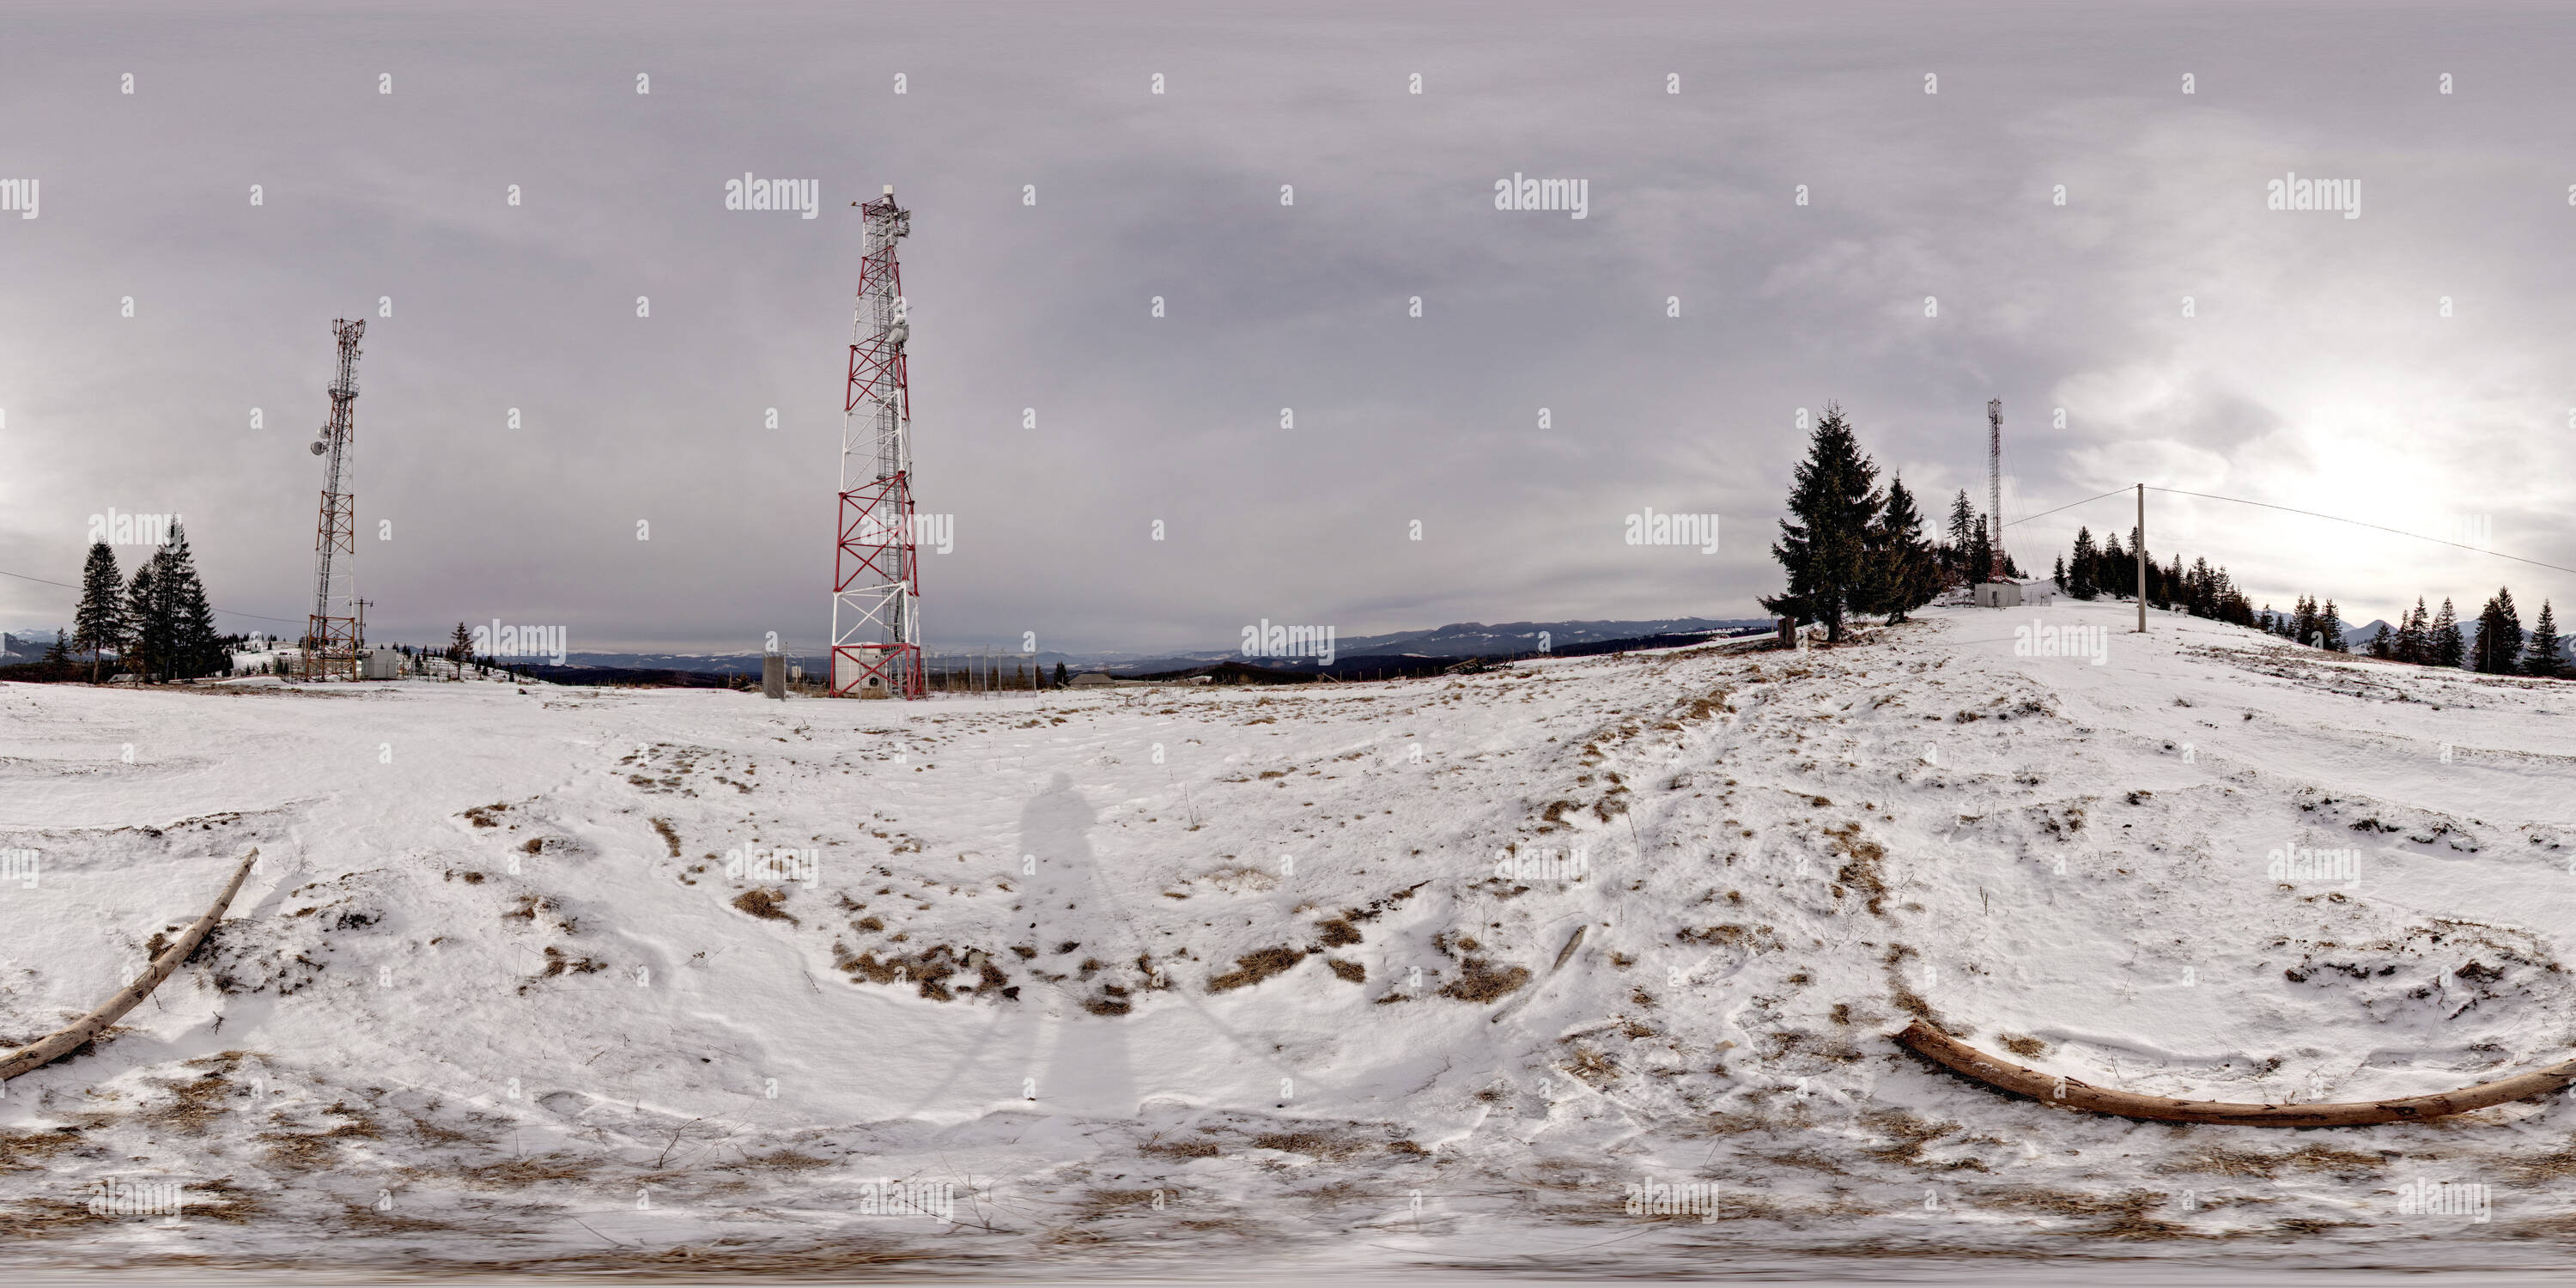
(1357, 977)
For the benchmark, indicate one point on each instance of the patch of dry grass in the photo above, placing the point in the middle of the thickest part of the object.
(197, 1102)
(1179, 1148)
(1315, 1144)
(2223, 1161)
(788, 1159)
(1480, 981)
(1909, 1133)
(1254, 967)
(515, 1173)
(27, 1151)
(764, 903)
(2542, 1168)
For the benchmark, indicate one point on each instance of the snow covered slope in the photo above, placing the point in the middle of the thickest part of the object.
(1429, 971)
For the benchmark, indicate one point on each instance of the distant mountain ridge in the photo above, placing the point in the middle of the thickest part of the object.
(1469, 639)
(1458, 639)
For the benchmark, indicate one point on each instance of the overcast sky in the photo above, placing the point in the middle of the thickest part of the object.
(2316, 368)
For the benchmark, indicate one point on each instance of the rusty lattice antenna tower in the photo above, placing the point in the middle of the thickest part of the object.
(876, 586)
(331, 638)
(1995, 489)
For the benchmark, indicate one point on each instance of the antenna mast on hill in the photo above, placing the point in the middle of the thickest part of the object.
(1995, 488)
(876, 623)
(332, 638)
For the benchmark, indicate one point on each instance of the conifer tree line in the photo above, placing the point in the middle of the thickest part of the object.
(2109, 568)
(2309, 623)
(158, 624)
(2501, 646)
(1851, 548)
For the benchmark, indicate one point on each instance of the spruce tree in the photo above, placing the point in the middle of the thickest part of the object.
(147, 622)
(2384, 644)
(2083, 567)
(99, 622)
(2414, 635)
(2445, 646)
(2540, 655)
(2227, 603)
(2330, 623)
(1963, 533)
(459, 647)
(1900, 573)
(1834, 500)
(2118, 578)
(2059, 576)
(195, 650)
(60, 651)
(2499, 644)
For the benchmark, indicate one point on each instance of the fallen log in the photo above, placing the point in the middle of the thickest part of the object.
(62, 1042)
(2068, 1093)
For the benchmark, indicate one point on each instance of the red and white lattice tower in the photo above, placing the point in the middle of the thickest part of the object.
(876, 588)
(332, 636)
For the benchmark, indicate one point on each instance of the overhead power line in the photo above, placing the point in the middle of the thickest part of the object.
(2117, 491)
(39, 580)
(2291, 509)
(2359, 524)
(68, 586)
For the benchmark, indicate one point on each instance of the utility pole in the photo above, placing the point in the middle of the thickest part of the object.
(2141, 544)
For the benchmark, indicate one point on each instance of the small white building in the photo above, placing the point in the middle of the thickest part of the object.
(2016, 594)
(379, 663)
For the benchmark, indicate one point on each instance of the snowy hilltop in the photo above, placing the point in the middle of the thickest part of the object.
(1467, 970)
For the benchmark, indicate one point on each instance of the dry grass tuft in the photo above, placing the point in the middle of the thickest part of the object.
(1179, 1148)
(1254, 967)
(196, 1102)
(27, 1151)
(1479, 981)
(2542, 1168)
(1909, 1133)
(764, 903)
(1316, 1144)
(1860, 871)
(516, 1173)
(788, 1159)
(2223, 1161)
